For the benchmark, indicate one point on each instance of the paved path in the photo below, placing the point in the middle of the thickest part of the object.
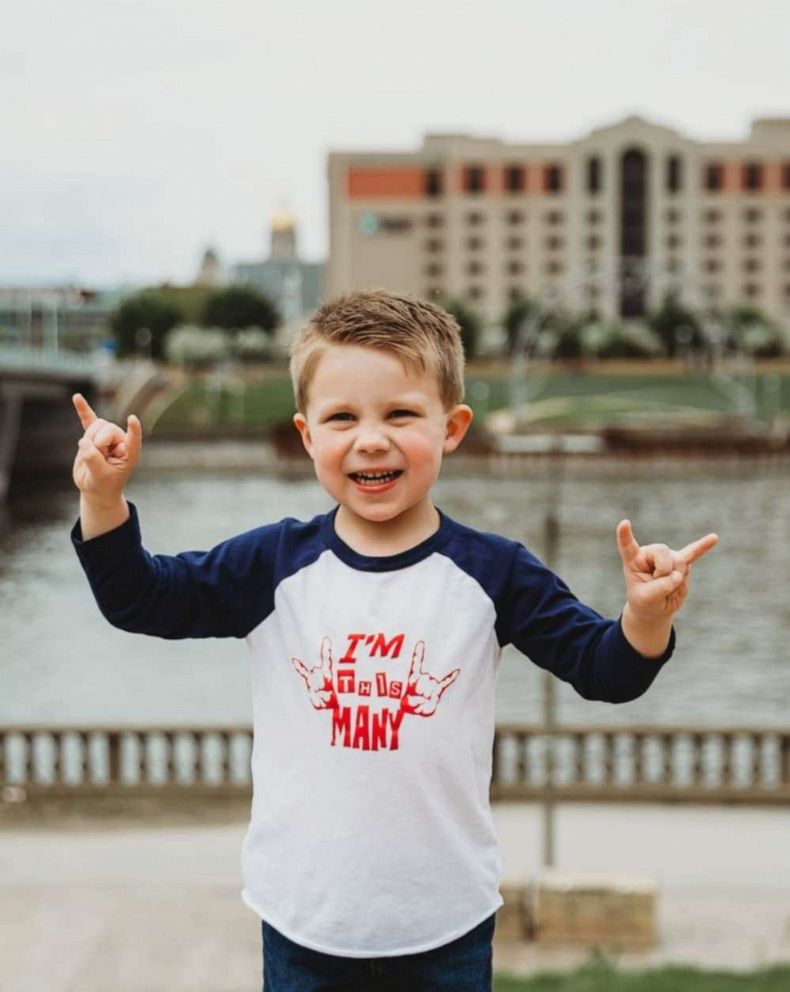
(157, 909)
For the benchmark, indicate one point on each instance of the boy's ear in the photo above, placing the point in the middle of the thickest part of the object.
(300, 422)
(458, 421)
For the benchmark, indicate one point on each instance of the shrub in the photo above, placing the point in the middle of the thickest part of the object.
(197, 347)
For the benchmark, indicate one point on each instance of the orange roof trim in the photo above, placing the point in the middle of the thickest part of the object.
(402, 184)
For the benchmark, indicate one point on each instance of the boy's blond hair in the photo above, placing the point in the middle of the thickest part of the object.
(420, 334)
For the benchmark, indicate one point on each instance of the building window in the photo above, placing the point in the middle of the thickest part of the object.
(752, 241)
(474, 179)
(787, 265)
(515, 244)
(751, 265)
(514, 178)
(752, 176)
(475, 292)
(514, 268)
(673, 241)
(674, 174)
(672, 216)
(553, 178)
(473, 218)
(434, 245)
(787, 241)
(712, 241)
(673, 264)
(593, 242)
(714, 177)
(553, 243)
(514, 293)
(553, 218)
(434, 220)
(594, 176)
(553, 268)
(434, 293)
(593, 216)
(752, 215)
(514, 217)
(434, 182)
(474, 268)
(750, 290)
(433, 269)
(474, 244)
(712, 216)
(712, 265)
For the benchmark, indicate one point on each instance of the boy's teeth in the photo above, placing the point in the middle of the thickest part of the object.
(375, 477)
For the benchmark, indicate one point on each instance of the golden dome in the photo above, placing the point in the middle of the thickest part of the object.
(282, 220)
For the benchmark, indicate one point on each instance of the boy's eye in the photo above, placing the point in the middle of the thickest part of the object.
(403, 413)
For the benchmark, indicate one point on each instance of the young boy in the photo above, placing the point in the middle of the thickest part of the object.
(375, 632)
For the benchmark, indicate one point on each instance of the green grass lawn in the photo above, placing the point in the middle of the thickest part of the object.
(562, 398)
(601, 977)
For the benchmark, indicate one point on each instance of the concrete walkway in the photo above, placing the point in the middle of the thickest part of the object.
(157, 908)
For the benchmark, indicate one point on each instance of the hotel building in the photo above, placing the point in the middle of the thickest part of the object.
(609, 223)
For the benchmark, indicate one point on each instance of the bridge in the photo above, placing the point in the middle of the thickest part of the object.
(38, 428)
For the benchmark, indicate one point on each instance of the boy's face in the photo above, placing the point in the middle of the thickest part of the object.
(376, 432)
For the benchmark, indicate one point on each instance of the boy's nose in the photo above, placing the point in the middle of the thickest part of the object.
(371, 438)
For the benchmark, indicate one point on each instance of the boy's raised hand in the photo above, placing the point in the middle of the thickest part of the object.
(656, 577)
(106, 454)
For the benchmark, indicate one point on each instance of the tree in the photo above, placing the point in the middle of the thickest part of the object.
(673, 322)
(519, 311)
(753, 332)
(144, 312)
(470, 324)
(237, 307)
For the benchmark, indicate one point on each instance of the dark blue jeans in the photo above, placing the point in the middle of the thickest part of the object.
(463, 965)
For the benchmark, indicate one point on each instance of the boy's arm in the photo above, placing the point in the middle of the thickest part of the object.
(545, 620)
(609, 660)
(224, 592)
(220, 593)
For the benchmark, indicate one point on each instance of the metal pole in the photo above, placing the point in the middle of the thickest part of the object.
(551, 539)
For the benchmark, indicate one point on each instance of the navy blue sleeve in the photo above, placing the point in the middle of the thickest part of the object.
(225, 592)
(542, 617)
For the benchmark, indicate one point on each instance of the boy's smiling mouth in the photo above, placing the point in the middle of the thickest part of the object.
(375, 478)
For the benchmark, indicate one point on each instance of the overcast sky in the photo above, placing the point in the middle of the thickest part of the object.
(135, 132)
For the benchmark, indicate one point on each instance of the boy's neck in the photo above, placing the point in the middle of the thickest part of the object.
(387, 537)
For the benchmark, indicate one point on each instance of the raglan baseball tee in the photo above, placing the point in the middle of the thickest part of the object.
(373, 706)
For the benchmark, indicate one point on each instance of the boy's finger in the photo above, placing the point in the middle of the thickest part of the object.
(626, 542)
(107, 436)
(134, 436)
(89, 452)
(698, 548)
(661, 588)
(84, 411)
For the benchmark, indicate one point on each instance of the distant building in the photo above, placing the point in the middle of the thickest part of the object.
(72, 318)
(292, 285)
(488, 221)
(210, 272)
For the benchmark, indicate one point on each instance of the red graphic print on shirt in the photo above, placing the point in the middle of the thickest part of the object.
(368, 704)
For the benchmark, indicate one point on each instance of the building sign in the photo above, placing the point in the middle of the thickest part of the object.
(370, 224)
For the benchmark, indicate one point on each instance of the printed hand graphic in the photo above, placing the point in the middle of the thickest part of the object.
(423, 690)
(319, 679)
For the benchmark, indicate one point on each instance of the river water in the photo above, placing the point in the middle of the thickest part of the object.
(62, 664)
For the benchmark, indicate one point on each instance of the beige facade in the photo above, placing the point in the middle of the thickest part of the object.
(609, 223)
